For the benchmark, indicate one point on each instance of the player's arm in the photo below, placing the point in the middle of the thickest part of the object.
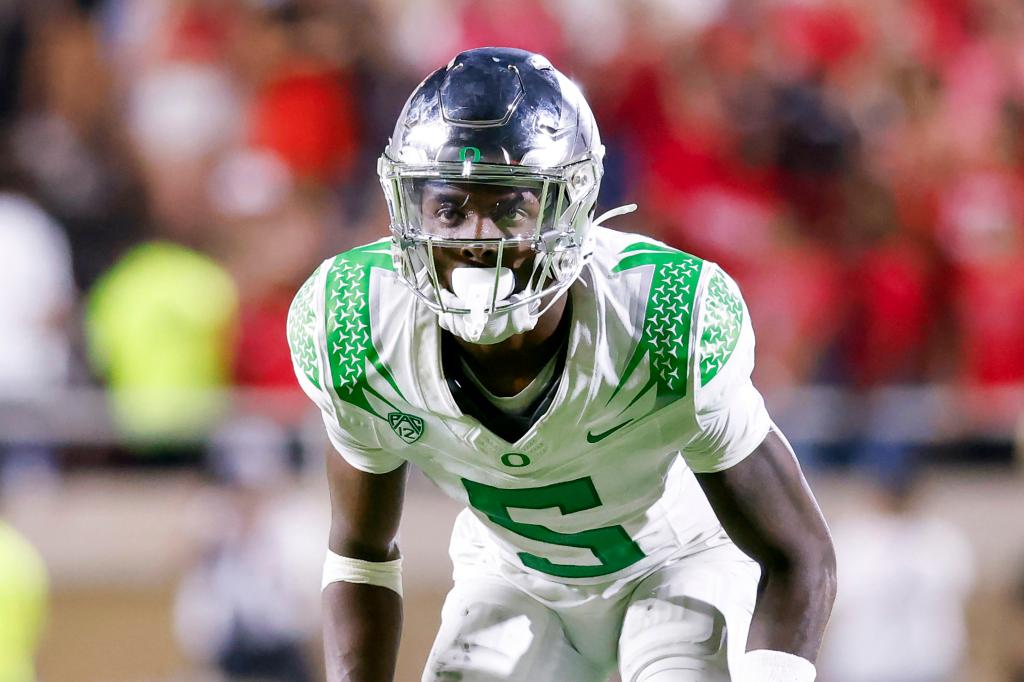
(362, 620)
(754, 483)
(362, 570)
(768, 510)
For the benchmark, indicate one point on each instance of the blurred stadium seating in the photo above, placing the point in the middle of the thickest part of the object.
(172, 170)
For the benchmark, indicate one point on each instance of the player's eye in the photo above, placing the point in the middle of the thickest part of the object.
(448, 214)
(511, 211)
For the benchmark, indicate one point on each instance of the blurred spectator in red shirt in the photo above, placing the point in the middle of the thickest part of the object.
(794, 291)
(292, 56)
(981, 230)
(305, 115)
(892, 313)
(890, 291)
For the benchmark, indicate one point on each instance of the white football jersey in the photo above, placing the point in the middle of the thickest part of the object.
(655, 385)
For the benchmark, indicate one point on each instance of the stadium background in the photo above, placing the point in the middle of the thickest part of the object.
(171, 170)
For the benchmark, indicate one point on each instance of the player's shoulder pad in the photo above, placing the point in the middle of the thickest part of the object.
(336, 294)
(722, 319)
(665, 335)
(349, 346)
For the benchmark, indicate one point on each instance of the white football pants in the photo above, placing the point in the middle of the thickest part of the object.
(681, 623)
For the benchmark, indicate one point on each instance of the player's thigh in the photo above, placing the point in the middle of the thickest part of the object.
(685, 621)
(491, 631)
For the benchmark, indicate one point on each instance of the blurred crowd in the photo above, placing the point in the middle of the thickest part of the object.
(171, 170)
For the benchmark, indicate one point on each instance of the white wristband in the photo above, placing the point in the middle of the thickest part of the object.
(765, 665)
(339, 568)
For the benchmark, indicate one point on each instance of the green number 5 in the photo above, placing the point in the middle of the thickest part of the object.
(611, 545)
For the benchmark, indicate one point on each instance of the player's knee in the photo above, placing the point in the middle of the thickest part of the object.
(691, 626)
(673, 639)
(479, 641)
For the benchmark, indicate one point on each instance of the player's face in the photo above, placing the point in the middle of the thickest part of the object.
(474, 211)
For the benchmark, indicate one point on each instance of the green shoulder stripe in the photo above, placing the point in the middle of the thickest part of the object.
(665, 338)
(723, 320)
(302, 330)
(349, 338)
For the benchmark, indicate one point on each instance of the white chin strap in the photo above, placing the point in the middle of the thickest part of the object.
(474, 289)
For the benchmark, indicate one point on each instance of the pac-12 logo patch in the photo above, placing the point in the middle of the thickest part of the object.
(409, 427)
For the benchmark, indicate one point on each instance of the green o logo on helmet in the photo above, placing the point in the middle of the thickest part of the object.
(466, 150)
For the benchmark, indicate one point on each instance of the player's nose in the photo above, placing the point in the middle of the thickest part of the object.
(481, 255)
(486, 252)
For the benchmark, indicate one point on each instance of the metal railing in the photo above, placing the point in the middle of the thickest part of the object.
(916, 415)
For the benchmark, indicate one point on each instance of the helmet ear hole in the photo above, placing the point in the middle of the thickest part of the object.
(581, 182)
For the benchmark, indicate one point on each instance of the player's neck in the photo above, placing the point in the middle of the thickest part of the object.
(506, 368)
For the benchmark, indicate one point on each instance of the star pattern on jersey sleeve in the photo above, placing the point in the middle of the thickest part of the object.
(302, 331)
(668, 323)
(349, 340)
(349, 330)
(665, 334)
(723, 321)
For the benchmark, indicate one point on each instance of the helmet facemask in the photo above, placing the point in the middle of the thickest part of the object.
(524, 250)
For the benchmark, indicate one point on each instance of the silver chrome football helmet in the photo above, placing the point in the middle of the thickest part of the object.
(495, 122)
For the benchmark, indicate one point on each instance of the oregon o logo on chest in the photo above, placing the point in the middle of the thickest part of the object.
(409, 427)
(515, 460)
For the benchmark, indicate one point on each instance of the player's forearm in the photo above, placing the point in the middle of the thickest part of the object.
(362, 629)
(768, 510)
(793, 605)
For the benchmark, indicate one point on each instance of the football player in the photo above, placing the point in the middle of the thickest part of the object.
(586, 395)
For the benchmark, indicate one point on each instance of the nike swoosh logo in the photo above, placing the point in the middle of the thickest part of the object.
(594, 438)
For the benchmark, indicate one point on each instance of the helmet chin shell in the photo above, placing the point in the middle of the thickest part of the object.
(505, 117)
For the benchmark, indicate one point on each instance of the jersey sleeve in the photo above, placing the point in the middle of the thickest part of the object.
(731, 419)
(352, 435)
